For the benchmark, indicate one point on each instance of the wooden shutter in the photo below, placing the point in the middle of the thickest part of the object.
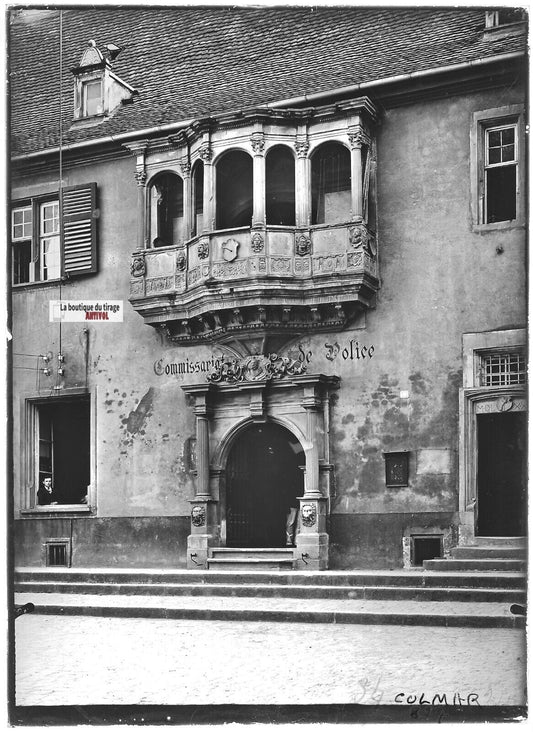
(78, 229)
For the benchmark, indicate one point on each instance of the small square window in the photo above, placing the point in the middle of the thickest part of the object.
(396, 469)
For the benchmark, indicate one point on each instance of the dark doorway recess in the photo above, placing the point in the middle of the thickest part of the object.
(502, 463)
(263, 479)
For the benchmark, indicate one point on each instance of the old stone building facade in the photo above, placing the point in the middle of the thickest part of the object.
(317, 266)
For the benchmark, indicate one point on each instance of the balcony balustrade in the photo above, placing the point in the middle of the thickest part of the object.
(273, 279)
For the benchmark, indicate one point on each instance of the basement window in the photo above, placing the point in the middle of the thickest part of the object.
(57, 552)
(425, 547)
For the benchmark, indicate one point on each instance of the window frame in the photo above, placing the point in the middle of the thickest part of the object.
(85, 84)
(29, 453)
(482, 122)
(37, 236)
(75, 255)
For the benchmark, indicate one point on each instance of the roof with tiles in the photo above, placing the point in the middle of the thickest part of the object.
(192, 61)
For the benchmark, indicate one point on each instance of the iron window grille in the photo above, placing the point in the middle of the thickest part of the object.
(503, 369)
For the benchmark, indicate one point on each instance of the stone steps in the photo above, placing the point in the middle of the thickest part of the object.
(515, 541)
(339, 592)
(488, 552)
(415, 578)
(262, 559)
(485, 554)
(296, 610)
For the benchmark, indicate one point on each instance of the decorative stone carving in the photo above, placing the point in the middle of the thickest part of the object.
(358, 138)
(205, 152)
(137, 287)
(505, 404)
(257, 265)
(222, 271)
(140, 177)
(158, 284)
(303, 245)
(138, 267)
(258, 143)
(198, 516)
(308, 514)
(280, 265)
(185, 167)
(256, 368)
(361, 238)
(257, 242)
(302, 148)
(181, 261)
(355, 260)
(329, 263)
(302, 266)
(230, 249)
(203, 250)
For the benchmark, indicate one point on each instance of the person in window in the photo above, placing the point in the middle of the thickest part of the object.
(45, 494)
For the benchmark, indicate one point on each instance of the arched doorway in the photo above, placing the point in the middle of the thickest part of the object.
(263, 478)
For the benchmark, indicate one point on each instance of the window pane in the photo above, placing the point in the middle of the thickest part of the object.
(508, 136)
(500, 194)
(92, 98)
(22, 220)
(21, 262)
(50, 258)
(495, 155)
(494, 138)
(50, 218)
(508, 153)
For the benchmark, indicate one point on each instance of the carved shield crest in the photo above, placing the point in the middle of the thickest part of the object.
(230, 249)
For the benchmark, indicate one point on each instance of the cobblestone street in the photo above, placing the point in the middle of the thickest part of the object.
(96, 660)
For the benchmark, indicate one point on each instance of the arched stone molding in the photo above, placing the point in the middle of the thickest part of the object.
(300, 404)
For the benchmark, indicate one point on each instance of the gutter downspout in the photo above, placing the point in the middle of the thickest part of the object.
(281, 103)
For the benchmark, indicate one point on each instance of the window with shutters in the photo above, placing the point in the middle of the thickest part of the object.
(54, 237)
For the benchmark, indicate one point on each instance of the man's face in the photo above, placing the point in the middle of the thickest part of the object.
(197, 511)
(307, 511)
(47, 482)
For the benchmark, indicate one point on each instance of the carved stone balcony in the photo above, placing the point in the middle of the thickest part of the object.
(273, 280)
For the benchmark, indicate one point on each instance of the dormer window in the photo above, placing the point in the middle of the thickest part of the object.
(504, 16)
(98, 92)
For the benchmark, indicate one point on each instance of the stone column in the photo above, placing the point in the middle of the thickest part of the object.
(208, 218)
(356, 144)
(187, 198)
(312, 541)
(259, 174)
(204, 527)
(303, 184)
(142, 237)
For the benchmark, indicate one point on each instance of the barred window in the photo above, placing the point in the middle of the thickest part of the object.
(503, 369)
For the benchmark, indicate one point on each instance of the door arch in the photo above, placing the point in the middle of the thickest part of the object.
(264, 476)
